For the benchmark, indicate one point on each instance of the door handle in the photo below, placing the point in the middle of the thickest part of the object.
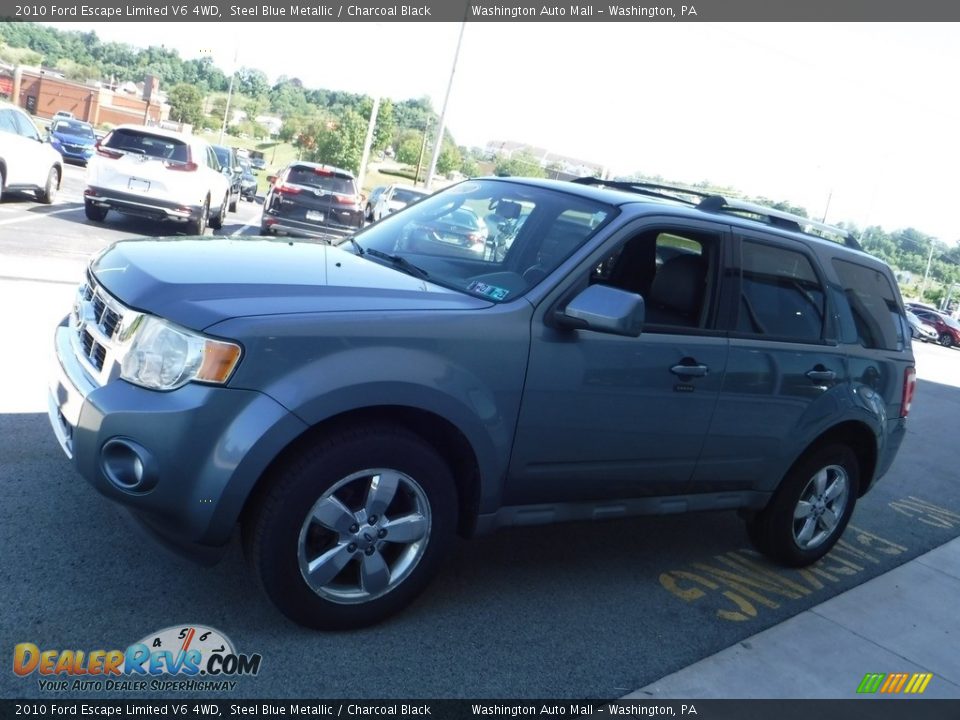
(821, 374)
(688, 368)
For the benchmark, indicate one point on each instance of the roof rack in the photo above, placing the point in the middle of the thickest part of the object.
(778, 218)
(687, 196)
(711, 202)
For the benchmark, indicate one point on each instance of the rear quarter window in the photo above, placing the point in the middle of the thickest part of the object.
(874, 305)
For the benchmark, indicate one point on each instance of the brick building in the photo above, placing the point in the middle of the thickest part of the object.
(43, 93)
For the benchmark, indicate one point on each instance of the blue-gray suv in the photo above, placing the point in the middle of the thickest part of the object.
(596, 350)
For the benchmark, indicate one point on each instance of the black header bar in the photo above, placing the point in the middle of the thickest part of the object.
(479, 11)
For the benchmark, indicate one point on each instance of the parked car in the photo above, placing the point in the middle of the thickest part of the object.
(157, 174)
(948, 329)
(311, 200)
(26, 161)
(232, 170)
(394, 198)
(248, 186)
(73, 139)
(355, 406)
(921, 330)
(372, 201)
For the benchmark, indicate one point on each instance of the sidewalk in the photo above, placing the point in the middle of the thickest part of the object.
(905, 621)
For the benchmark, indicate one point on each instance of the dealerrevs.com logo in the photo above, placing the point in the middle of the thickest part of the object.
(202, 658)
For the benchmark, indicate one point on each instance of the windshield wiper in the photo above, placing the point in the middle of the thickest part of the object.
(356, 246)
(399, 262)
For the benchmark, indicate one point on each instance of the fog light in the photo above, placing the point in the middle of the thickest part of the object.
(128, 465)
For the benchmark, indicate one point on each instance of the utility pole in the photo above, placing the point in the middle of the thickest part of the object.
(368, 142)
(923, 286)
(438, 145)
(226, 111)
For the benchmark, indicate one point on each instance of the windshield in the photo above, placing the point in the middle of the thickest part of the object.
(407, 196)
(491, 238)
(71, 127)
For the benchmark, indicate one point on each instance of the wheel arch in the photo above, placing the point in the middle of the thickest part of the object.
(857, 436)
(438, 432)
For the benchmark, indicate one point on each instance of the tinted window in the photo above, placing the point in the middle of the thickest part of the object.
(141, 143)
(780, 294)
(323, 179)
(876, 312)
(223, 155)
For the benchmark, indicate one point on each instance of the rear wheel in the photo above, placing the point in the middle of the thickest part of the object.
(810, 509)
(199, 226)
(49, 192)
(352, 529)
(94, 212)
(233, 202)
(946, 339)
(217, 222)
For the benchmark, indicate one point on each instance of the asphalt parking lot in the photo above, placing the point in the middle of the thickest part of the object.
(569, 611)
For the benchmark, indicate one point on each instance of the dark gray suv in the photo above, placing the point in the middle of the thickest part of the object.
(599, 350)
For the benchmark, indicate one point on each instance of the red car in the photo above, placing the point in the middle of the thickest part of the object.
(947, 328)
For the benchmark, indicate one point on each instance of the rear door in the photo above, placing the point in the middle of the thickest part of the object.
(783, 360)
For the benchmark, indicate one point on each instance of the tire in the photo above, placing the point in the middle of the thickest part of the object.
(946, 340)
(368, 213)
(3, 184)
(49, 192)
(233, 203)
(265, 230)
(93, 212)
(199, 226)
(217, 222)
(802, 522)
(367, 576)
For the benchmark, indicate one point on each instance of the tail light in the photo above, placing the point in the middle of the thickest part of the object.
(181, 166)
(281, 186)
(106, 152)
(909, 388)
(346, 199)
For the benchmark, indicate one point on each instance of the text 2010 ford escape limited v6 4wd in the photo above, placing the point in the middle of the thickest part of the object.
(611, 349)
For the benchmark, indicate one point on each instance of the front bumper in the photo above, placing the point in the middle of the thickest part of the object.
(141, 205)
(199, 449)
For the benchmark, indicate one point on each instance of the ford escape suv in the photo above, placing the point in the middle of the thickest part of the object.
(612, 349)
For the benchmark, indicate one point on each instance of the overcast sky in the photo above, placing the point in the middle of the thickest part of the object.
(864, 114)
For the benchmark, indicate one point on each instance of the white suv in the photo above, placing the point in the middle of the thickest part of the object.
(157, 174)
(26, 161)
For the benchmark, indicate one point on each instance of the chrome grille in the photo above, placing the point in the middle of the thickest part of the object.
(98, 320)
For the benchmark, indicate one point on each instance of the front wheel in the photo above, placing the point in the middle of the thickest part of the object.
(810, 508)
(351, 530)
(946, 339)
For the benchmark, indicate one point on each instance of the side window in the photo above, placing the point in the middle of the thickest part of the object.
(6, 122)
(780, 295)
(212, 161)
(25, 127)
(873, 303)
(671, 269)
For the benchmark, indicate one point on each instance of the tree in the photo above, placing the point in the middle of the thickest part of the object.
(520, 164)
(449, 159)
(408, 147)
(186, 104)
(341, 143)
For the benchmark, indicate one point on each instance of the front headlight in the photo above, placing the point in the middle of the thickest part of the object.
(163, 356)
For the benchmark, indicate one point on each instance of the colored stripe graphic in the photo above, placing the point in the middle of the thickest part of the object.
(871, 682)
(893, 683)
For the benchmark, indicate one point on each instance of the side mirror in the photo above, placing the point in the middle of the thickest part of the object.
(603, 309)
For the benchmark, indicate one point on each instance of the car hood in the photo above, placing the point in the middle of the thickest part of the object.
(73, 139)
(198, 282)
